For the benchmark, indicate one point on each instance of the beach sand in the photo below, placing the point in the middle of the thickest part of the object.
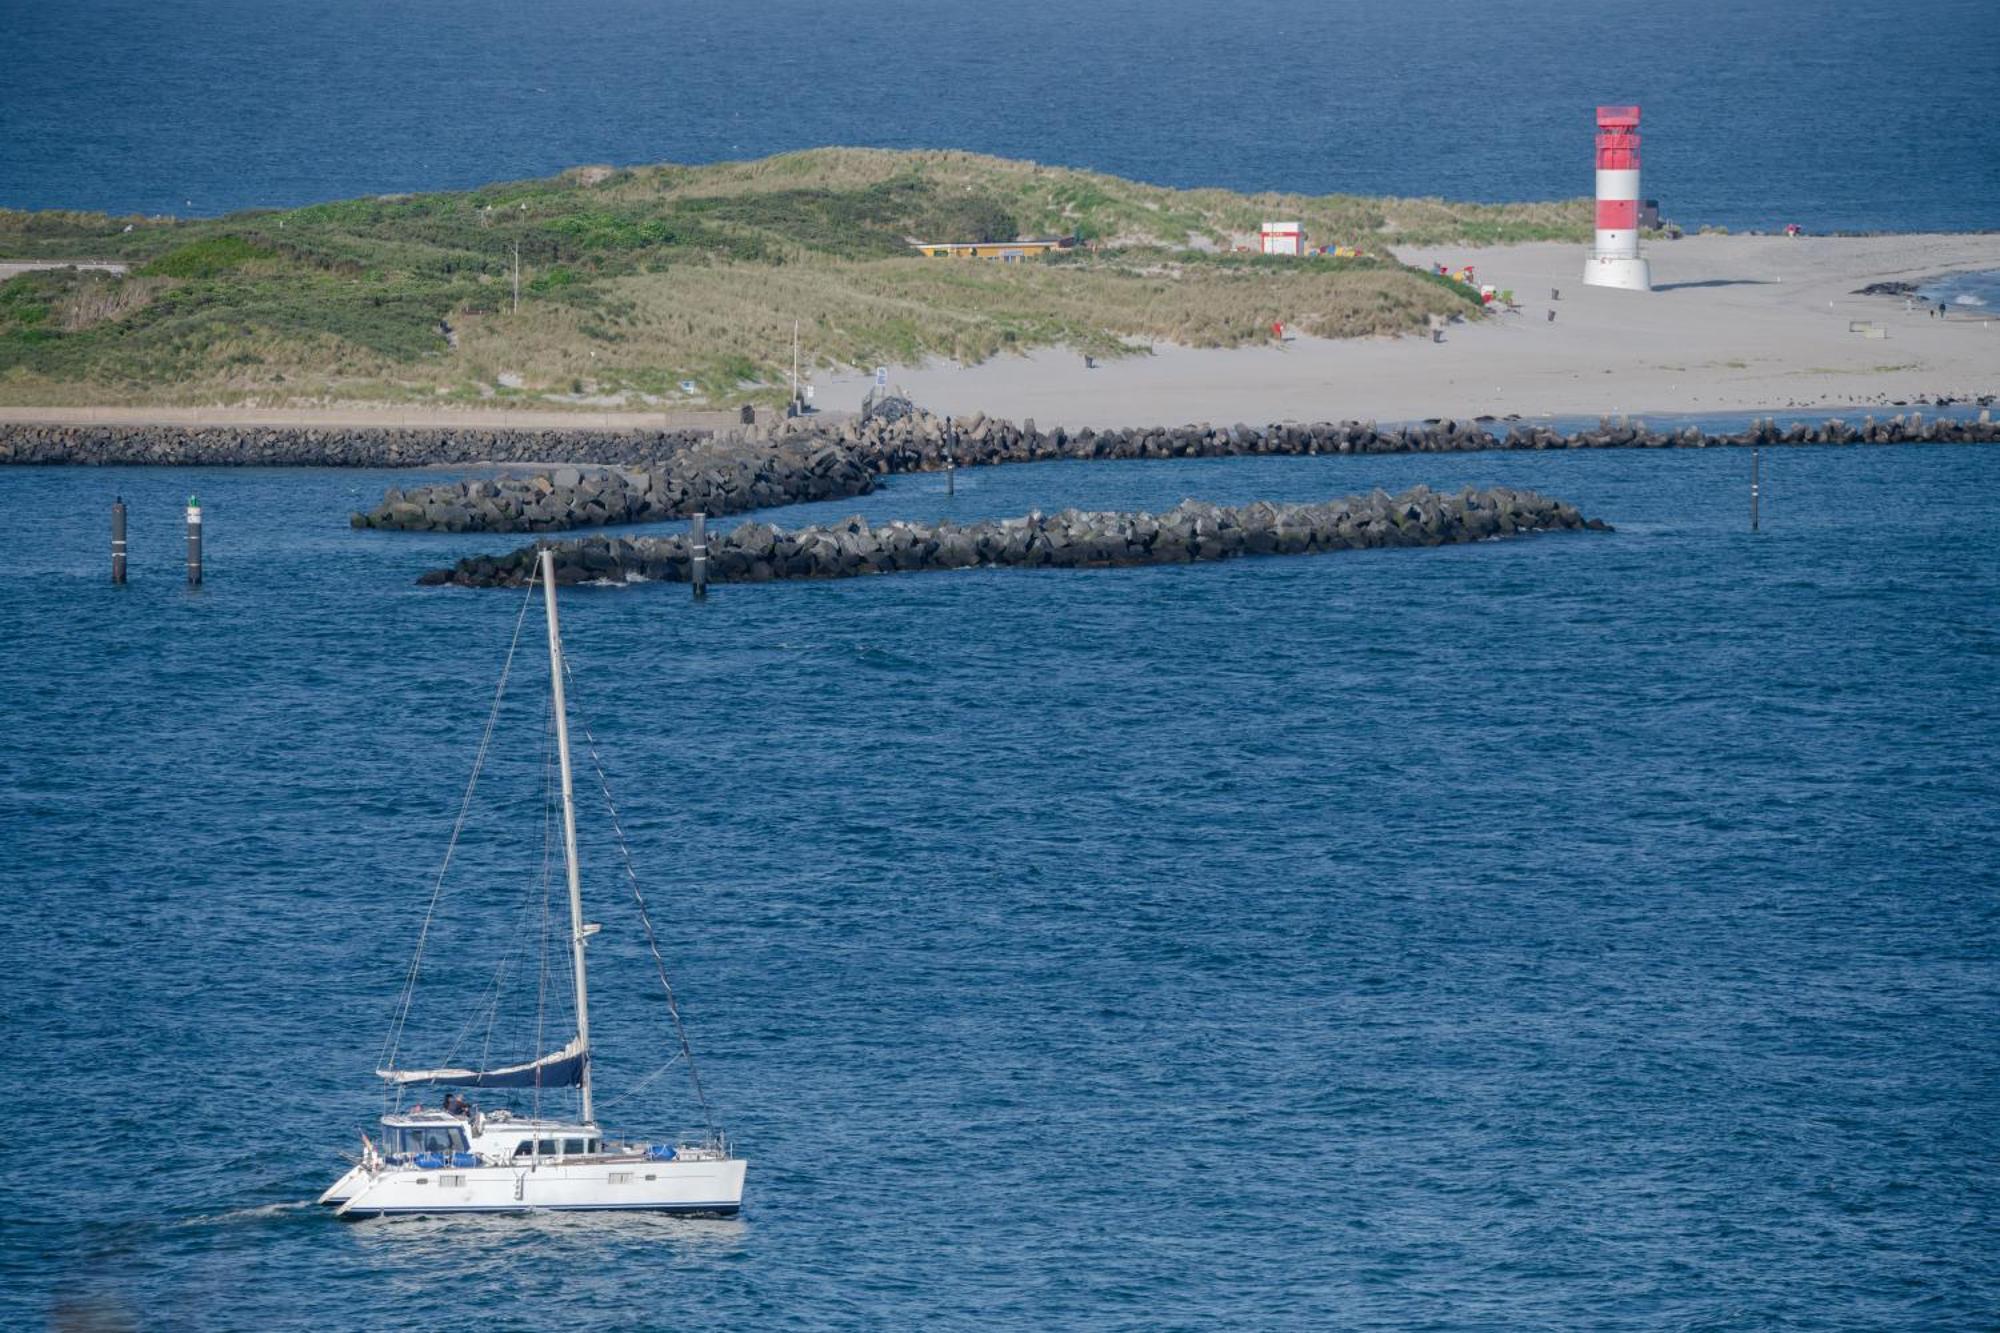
(1734, 322)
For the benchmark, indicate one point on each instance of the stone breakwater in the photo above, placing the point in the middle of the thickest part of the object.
(725, 476)
(817, 462)
(919, 442)
(1072, 539)
(286, 446)
(924, 443)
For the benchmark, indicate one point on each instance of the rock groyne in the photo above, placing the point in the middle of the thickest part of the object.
(924, 443)
(726, 476)
(669, 474)
(919, 442)
(815, 461)
(300, 446)
(1072, 539)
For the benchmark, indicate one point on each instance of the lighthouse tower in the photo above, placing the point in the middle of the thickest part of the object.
(1614, 257)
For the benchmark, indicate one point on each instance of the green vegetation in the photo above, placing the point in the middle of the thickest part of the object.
(633, 281)
(210, 257)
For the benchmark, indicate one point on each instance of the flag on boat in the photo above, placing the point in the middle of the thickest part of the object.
(560, 1069)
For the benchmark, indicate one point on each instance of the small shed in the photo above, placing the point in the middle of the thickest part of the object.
(1282, 238)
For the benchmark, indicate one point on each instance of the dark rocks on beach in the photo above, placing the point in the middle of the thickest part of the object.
(1072, 539)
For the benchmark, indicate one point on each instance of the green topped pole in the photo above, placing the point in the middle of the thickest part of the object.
(194, 542)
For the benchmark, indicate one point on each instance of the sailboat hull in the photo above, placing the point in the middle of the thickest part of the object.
(602, 1185)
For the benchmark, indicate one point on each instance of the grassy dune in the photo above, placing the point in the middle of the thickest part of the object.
(633, 281)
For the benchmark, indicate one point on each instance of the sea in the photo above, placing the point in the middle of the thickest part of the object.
(1596, 931)
(1587, 931)
(1832, 114)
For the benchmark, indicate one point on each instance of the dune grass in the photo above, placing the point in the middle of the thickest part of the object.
(635, 281)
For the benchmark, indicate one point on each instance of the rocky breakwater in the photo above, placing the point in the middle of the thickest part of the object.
(922, 442)
(1072, 539)
(725, 476)
(816, 461)
(288, 446)
(915, 443)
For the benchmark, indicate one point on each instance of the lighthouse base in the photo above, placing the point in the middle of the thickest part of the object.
(1630, 272)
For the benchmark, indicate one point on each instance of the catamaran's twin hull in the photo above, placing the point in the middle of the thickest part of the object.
(714, 1187)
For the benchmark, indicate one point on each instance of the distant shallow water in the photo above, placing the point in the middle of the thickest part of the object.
(1975, 293)
(1567, 932)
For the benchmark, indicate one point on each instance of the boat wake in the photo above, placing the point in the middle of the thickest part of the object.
(262, 1212)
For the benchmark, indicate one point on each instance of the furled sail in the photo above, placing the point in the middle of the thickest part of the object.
(559, 1069)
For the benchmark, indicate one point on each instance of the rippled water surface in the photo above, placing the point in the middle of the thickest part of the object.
(1873, 114)
(1587, 931)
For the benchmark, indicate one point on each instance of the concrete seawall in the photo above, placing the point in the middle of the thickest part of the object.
(1072, 539)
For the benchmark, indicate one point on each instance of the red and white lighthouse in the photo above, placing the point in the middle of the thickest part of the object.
(1614, 257)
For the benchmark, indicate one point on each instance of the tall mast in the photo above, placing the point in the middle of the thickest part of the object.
(576, 933)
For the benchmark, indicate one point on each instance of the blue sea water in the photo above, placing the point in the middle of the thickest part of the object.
(1835, 114)
(1594, 931)
(1967, 295)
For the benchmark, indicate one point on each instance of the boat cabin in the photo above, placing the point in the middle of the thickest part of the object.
(496, 1136)
(423, 1132)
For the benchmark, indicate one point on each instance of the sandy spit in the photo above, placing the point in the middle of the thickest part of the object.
(1734, 323)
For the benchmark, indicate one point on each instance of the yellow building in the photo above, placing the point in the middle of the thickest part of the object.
(1007, 251)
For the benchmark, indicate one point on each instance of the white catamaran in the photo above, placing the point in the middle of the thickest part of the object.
(460, 1160)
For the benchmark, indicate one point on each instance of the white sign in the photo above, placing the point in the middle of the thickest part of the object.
(881, 377)
(809, 393)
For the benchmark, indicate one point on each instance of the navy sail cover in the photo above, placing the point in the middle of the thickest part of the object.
(560, 1069)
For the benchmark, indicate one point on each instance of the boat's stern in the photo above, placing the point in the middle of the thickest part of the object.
(340, 1191)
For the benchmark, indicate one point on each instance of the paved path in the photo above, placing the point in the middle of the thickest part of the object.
(14, 268)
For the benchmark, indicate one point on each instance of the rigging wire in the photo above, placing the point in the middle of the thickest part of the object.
(645, 918)
(488, 1009)
(392, 1043)
(641, 1085)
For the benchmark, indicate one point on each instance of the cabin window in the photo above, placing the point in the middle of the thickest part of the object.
(548, 1147)
(525, 1148)
(451, 1181)
(573, 1147)
(426, 1138)
(621, 1177)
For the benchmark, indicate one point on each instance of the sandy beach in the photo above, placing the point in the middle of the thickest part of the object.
(1735, 322)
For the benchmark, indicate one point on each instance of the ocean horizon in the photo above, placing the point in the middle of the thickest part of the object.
(1839, 115)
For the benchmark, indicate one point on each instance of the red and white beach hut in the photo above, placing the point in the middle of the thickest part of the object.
(1282, 238)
